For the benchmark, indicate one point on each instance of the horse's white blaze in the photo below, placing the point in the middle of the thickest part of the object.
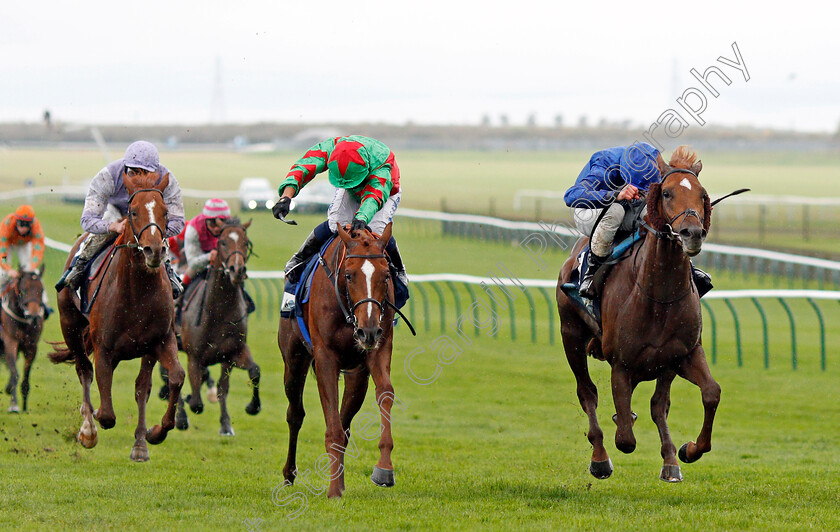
(686, 183)
(234, 237)
(151, 208)
(368, 269)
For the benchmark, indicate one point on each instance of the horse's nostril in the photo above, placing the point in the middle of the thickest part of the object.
(703, 233)
(686, 233)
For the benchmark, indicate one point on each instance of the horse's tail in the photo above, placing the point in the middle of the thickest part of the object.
(61, 354)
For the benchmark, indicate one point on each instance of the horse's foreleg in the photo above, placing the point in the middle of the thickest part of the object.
(167, 355)
(87, 433)
(622, 388)
(142, 389)
(104, 378)
(243, 360)
(224, 385)
(11, 347)
(294, 380)
(355, 389)
(380, 371)
(326, 373)
(600, 465)
(660, 404)
(695, 369)
(27, 370)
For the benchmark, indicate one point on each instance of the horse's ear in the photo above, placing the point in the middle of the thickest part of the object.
(696, 167)
(247, 224)
(386, 235)
(164, 182)
(663, 166)
(41, 269)
(344, 235)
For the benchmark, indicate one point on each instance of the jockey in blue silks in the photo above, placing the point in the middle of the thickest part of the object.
(615, 180)
(611, 180)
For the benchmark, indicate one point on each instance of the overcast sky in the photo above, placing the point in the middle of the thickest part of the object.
(428, 62)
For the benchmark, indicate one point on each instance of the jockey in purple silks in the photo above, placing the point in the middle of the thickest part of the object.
(106, 206)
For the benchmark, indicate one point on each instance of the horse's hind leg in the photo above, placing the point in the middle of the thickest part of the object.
(660, 404)
(294, 379)
(244, 361)
(695, 369)
(574, 343)
(622, 389)
(87, 433)
(224, 384)
(355, 389)
(142, 390)
(380, 370)
(167, 355)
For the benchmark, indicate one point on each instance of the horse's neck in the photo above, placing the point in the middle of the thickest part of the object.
(220, 290)
(664, 271)
(132, 275)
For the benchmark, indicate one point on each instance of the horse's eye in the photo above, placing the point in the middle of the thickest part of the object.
(348, 276)
(666, 194)
(223, 243)
(133, 214)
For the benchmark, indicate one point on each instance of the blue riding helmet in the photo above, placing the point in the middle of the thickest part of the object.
(639, 166)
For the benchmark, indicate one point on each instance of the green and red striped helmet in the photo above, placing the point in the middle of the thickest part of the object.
(349, 164)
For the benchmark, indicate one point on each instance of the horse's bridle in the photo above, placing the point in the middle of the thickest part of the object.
(134, 232)
(668, 232)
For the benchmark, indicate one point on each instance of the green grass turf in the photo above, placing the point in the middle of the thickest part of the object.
(496, 441)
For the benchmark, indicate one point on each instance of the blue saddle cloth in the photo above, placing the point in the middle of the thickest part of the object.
(572, 288)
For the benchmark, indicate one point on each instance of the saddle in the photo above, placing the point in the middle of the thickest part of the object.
(93, 269)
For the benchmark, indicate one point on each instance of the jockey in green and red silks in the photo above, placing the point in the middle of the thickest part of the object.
(368, 180)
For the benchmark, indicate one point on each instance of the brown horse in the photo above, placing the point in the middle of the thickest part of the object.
(650, 312)
(350, 320)
(214, 327)
(132, 317)
(20, 329)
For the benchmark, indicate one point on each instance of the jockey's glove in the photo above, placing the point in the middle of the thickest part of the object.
(281, 208)
(358, 225)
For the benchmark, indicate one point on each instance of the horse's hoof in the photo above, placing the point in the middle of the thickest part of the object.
(14, 409)
(252, 409)
(88, 441)
(164, 392)
(182, 422)
(670, 473)
(196, 409)
(384, 478)
(683, 454)
(632, 414)
(601, 470)
(213, 395)
(226, 431)
(139, 454)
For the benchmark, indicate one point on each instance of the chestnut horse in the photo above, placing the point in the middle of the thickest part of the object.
(350, 320)
(132, 317)
(650, 313)
(214, 327)
(20, 329)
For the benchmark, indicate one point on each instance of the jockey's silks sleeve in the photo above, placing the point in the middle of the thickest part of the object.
(313, 162)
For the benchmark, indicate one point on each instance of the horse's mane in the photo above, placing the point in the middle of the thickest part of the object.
(683, 157)
(146, 180)
(232, 221)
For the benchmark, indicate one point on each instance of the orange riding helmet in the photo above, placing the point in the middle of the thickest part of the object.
(25, 213)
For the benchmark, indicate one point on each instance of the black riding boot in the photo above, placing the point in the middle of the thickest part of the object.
(397, 266)
(593, 263)
(174, 280)
(312, 244)
(702, 280)
(73, 276)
